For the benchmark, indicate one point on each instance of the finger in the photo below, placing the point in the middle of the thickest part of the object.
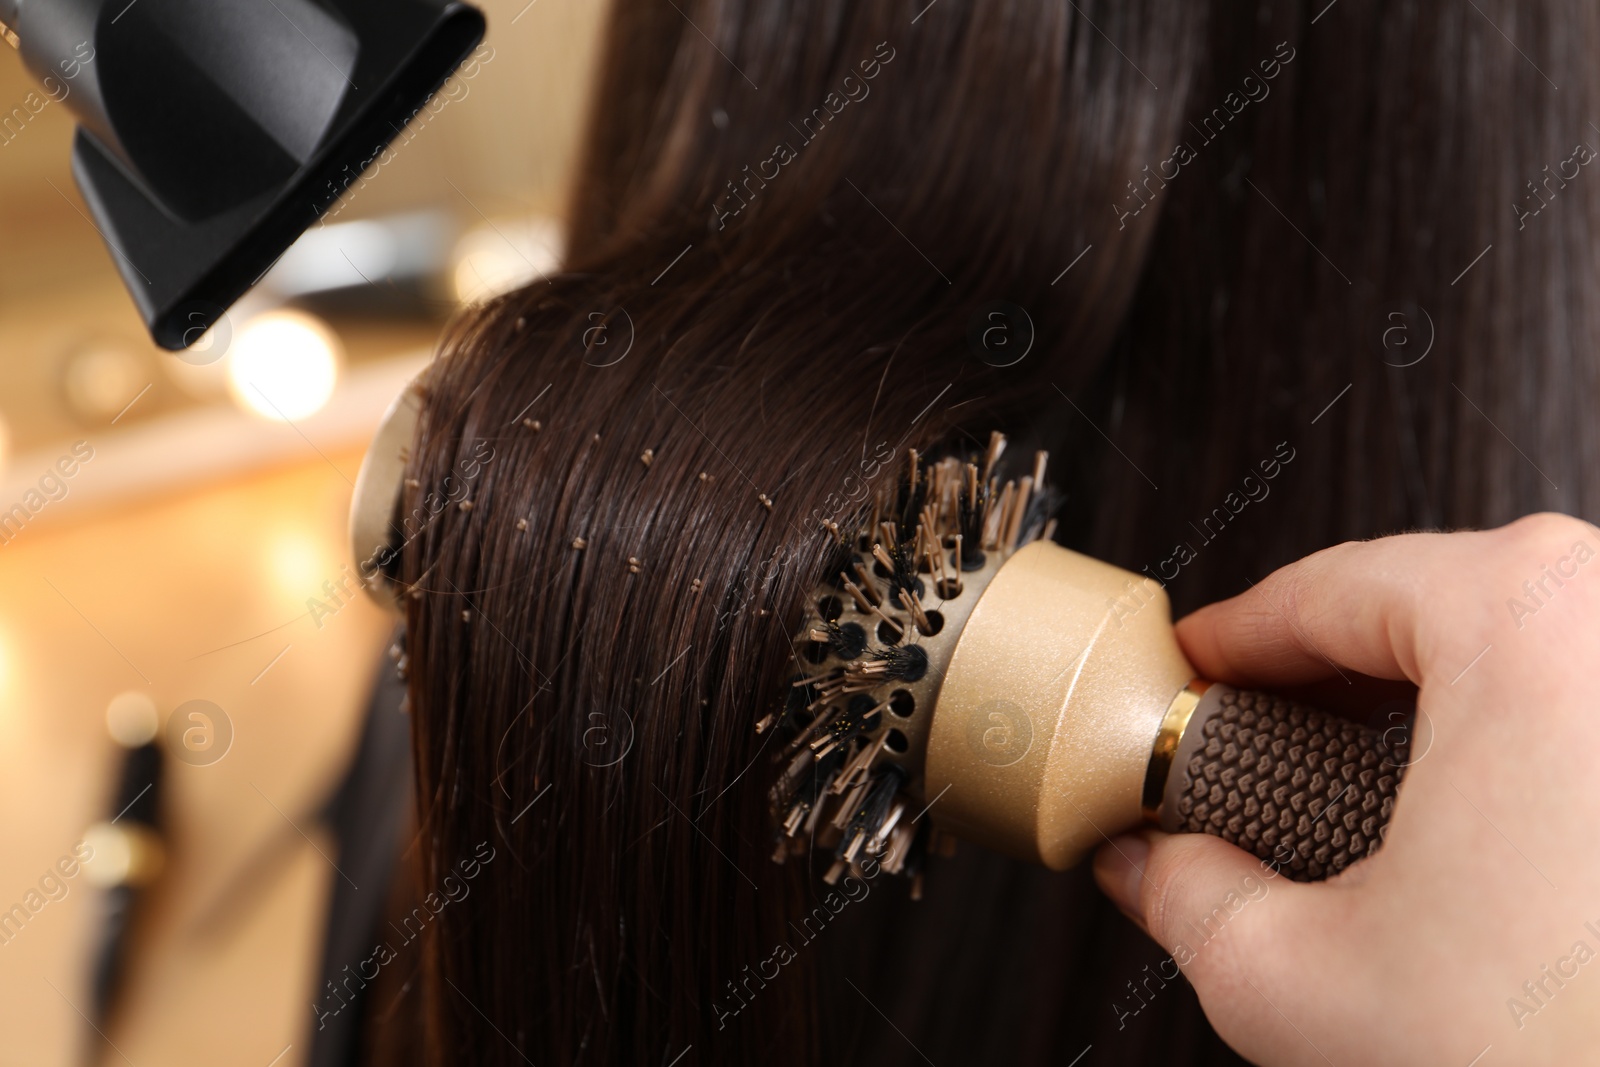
(1352, 607)
(1184, 889)
(1227, 919)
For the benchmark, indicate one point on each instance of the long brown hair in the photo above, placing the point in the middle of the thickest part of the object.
(793, 226)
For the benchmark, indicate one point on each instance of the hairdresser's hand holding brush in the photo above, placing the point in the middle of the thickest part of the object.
(1478, 923)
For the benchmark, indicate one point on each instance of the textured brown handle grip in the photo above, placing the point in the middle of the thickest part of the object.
(1309, 792)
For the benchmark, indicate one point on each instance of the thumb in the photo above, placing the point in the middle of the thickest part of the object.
(1185, 890)
(1221, 913)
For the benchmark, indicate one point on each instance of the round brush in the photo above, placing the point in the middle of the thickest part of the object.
(961, 670)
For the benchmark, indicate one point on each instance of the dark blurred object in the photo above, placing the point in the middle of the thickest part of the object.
(369, 814)
(128, 856)
(391, 267)
(213, 134)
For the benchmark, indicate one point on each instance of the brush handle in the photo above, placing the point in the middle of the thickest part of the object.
(1309, 792)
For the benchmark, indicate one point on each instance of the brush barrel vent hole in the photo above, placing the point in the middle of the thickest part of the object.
(902, 704)
(889, 635)
(935, 623)
(830, 608)
(969, 559)
(896, 742)
(816, 651)
(852, 641)
(949, 588)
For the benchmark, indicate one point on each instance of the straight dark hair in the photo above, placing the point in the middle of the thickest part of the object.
(1202, 227)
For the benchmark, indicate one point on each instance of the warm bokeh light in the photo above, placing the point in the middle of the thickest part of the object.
(132, 719)
(283, 365)
(102, 378)
(130, 854)
(497, 258)
(297, 564)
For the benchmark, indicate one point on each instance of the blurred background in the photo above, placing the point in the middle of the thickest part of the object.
(173, 529)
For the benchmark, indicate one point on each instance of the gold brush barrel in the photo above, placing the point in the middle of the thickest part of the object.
(1068, 714)
(1055, 692)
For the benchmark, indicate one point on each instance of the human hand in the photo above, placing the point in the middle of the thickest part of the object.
(1472, 936)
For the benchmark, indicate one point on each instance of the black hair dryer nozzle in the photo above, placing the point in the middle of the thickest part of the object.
(212, 133)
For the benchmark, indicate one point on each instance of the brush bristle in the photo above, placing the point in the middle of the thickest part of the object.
(845, 784)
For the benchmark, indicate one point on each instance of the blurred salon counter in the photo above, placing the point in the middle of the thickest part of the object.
(177, 560)
(171, 533)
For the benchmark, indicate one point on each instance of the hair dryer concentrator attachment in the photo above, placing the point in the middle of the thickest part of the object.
(212, 134)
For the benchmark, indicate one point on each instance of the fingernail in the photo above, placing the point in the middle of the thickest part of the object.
(1120, 869)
